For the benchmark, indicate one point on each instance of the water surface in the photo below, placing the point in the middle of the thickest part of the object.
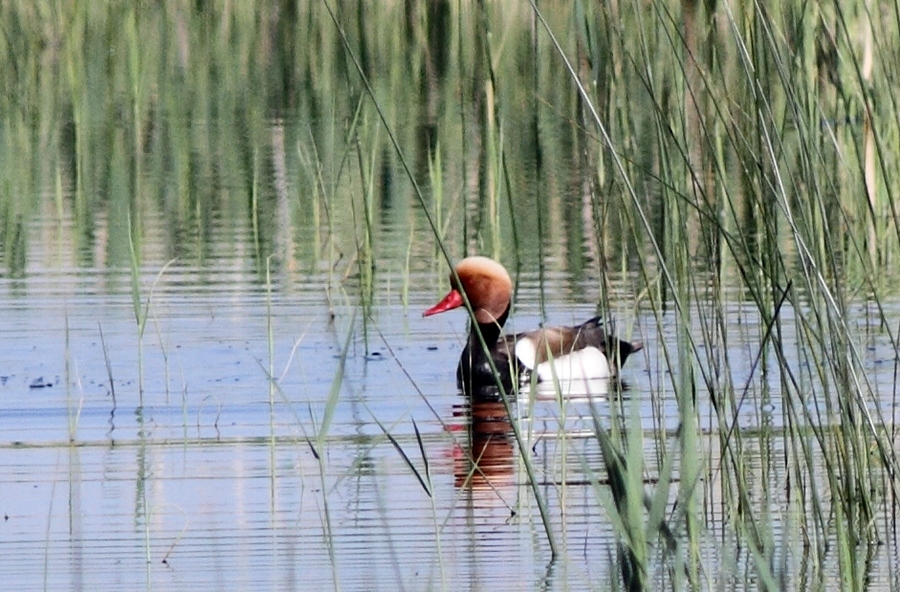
(214, 373)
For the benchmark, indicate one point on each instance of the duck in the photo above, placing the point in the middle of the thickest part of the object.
(584, 351)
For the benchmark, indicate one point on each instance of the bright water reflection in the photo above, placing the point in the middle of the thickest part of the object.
(213, 484)
(232, 142)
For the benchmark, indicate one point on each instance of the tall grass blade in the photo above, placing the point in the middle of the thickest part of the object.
(423, 481)
(335, 391)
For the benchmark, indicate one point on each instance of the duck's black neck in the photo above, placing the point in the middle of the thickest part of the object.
(475, 372)
(490, 332)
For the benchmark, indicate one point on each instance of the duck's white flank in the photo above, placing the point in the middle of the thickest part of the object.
(588, 362)
(526, 353)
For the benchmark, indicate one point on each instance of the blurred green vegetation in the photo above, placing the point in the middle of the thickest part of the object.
(172, 111)
(714, 152)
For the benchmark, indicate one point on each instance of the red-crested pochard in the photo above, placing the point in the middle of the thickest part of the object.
(564, 353)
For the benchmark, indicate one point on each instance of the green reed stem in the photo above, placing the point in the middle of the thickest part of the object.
(140, 314)
(321, 439)
(270, 376)
(72, 417)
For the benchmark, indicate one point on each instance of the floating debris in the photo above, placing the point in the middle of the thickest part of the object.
(39, 383)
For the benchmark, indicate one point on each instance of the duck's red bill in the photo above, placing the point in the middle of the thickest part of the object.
(452, 300)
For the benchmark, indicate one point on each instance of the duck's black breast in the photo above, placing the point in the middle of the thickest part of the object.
(474, 373)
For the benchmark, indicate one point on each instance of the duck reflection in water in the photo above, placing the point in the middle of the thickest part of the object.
(488, 464)
(491, 444)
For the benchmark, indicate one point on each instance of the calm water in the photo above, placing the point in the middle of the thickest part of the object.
(211, 482)
(300, 428)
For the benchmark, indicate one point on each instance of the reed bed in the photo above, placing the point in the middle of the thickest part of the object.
(729, 160)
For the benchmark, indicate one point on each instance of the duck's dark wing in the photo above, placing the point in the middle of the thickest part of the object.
(551, 343)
